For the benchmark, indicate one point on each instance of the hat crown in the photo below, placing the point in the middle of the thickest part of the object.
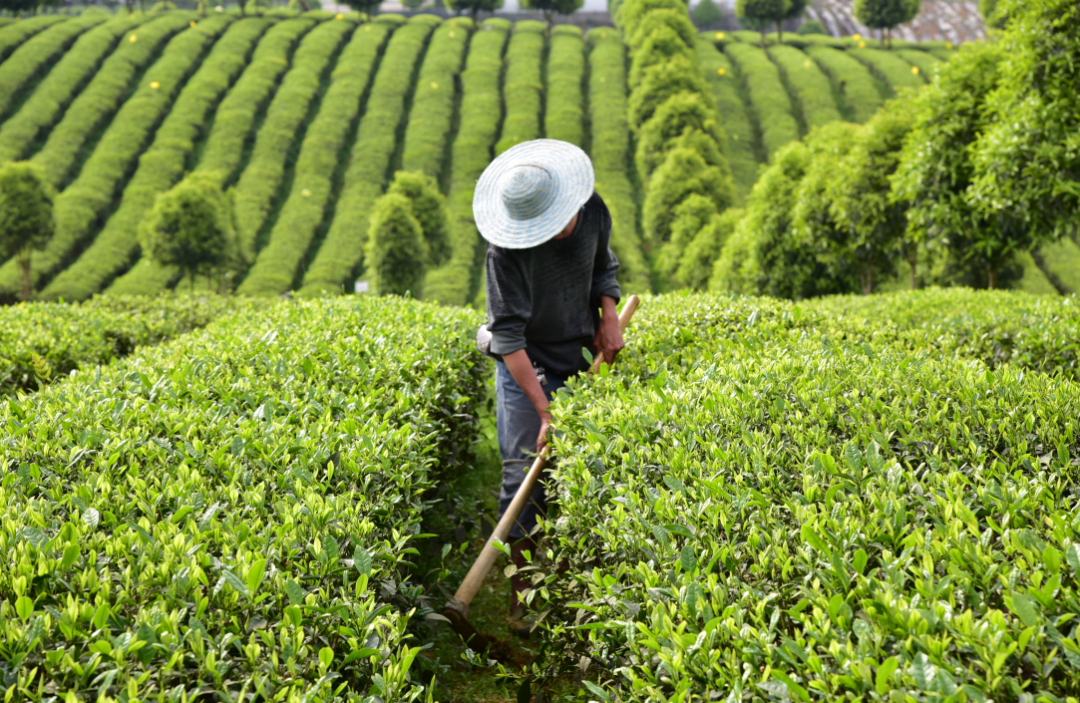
(527, 191)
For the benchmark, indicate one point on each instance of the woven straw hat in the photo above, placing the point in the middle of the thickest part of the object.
(530, 192)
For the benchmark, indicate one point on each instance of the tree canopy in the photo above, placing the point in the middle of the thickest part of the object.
(26, 215)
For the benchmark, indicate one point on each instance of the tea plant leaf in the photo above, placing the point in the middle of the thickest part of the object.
(793, 688)
(362, 561)
(923, 672)
(71, 554)
(597, 691)
(1024, 609)
(255, 575)
(24, 607)
(1072, 555)
(859, 560)
(811, 537)
(234, 581)
(688, 559)
(326, 656)
(883, 679)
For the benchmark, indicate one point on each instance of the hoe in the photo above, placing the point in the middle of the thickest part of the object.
(457, 609)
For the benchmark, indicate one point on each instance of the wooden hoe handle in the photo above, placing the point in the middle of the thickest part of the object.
(480, 568)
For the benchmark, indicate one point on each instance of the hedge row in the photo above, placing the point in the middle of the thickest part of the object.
(260, 183)
(60, 86)
(224, 146)
(41, 343)
(742, 152)
(609, 141)
(312, 186)
(432, 115)
(523, 89)
(27, 61)
(844, 520)
(161, 166)
(892, 69)
(768, 96)
(78, 208)
(925, 61)
(14, 34)
(235, 513)
(852, 80)
(98, 102)
(370, 162)
(564, 114)
(810, 87)
(479, 116)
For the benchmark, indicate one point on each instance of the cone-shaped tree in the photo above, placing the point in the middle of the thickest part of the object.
(26, 215)
(396, 252)
(429, 209)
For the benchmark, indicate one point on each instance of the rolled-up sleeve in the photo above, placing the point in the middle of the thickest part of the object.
(606, 265)
(509, 298)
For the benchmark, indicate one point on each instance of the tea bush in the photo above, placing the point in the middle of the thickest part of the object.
(851, 79)
(223, 151)
(741, 152)
(27, 61)
(480, 113)
(808, 86)
(757, 505)
(162, 165)
(304, 210)
(236, 511)
(889, 67)
(14, 34)
(80, 206)
(925, 61)
(45, 342)
(523, 89)
(370, 161)
(770, 100)
(432, 115)
(564, 114)
(264, 174)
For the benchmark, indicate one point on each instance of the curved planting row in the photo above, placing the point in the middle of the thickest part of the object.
(609, 144)
(892, 69)
(742, 152)
(563, 114)
(432, 115)
(734, 500)
(15, 33)
(162, 164)
(304, 210)
(233, 123)
(234, 512)
(523, 89)
(28, 60)
(78, 208)
(768, 96)
(261, 180)
(923, 60)
(808, 85)
(370, 161)
(90, 113)
(60, 87)
(851, 79)
(479, 117)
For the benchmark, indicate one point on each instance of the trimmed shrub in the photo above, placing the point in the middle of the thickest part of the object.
(89, 197)
(661, 44)
(261, 181)
(479, 115)
(28, 60)
(26, 216)
(630, 17)
(163, 163)
(689, 218)
(370, 161)
(395, 251)
(57, 90)
(523, 89)
(324, 145)
(682, 174)
(696, 263)
(564, 115)
(432, 114)
(741, 151)
(890, 68)
(14, 34)
(610, 152)
(673, 18)
(99, 101)
(684, 120)
(810, 87)
(661, 82)
(768, 96)
(224, 149)
(851, 80)
(429, 208)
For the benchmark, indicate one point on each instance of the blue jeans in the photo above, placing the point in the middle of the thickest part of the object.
(518, 425)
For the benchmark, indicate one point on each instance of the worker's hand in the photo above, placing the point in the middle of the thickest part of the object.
(545, 423)
(609, 340)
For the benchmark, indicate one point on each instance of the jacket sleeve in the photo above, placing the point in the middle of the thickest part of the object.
(606, 265)
(509, 298)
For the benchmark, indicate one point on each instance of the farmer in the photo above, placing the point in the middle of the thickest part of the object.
(551, 291)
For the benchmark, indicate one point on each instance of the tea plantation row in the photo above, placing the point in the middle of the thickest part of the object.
(234, 511)
(835, 500)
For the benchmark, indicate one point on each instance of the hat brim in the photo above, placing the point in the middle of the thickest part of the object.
(572, 172)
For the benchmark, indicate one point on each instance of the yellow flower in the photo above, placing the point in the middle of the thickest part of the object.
(856, 36)
(192, 23)
(806, 64)
(949, 46)
(862, 45)
(434, 85)
(340, 16)
(720, 35)
(451, 34)
(133, 39)
(721, 71)
(306, 193)
(367, 28)
(915, 70)
(155, 85)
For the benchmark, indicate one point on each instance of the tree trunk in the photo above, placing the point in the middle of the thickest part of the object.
(913, 262)
(304, 6)
(992, 277)
(24, 263)
(888, 37)
(779, 31)
(868, 280)
(762, 37)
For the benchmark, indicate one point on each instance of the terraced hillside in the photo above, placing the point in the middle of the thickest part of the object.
(307, 117)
